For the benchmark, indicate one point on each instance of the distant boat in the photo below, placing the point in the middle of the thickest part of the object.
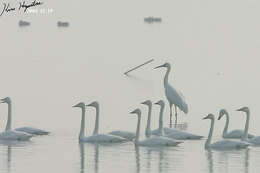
(23, 23)
(152, 19)
(63, 24)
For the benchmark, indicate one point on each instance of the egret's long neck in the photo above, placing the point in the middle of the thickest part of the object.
(96, 122)
(161, 121)
(148, 125)
(9, 120)
(210, 133)
(166, 76)
(82, 127)
(245, 135)
(138, 129)
(226, 125)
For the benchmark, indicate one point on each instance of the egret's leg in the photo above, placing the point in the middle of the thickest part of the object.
(175, 115)
(170, 116)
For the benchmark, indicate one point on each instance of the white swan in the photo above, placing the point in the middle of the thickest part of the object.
(254, 140)
(172, 132)
(14, 135)
(148, 131)
(29, 130)
(96, 138)
(173, 96)
(222, 144)
(123, 134)
(154, 140)
(234, 133)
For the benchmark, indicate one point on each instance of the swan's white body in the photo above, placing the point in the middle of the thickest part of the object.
(29, 130)
(254, 140)
(177, 134)
(172, 132)
(123, 134)
(234, 134)
(118, 133)
(222, 144)
(34, 131)
(95, 138)
(154, 140)
(14, 135)
(101, 138)
(173, 96)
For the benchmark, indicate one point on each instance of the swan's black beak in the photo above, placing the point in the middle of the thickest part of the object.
(144, 103)
(159, 66)
(206, 117)
(157, 103)
(241, 109)
(219, 117)
(133, 112)
(1, 101)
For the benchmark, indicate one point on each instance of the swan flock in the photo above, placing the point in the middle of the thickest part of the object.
(161, 136)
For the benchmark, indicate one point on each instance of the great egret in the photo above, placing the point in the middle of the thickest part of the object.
(254, 140)
(123, 134)
(30, 130)
(173, 96)
(154, 140)
(222, 144)
(236, 134)
(96, 138)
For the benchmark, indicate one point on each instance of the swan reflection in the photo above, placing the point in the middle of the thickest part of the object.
(224, 160)
(9, 145)
(82, 157)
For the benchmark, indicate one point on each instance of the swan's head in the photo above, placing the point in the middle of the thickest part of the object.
(93, 104)
(136, 111)
(160, 102)
(166, 65)
(244, 109)
(79, 105)
(221, 113)
(209, 116)
(147, 102)
(5, 100)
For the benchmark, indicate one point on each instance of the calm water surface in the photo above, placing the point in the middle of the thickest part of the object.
(213, 48)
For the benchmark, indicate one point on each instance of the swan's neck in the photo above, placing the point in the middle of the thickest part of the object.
(138, 129)
(210, 134)
(161, 121)
(9, 120)
(245, 136)
(96, 122)
(148, 126)
(82, 127)
(166, 76)
(226, 125)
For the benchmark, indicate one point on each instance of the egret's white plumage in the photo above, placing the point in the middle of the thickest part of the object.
(154, 140)
(235, 134)
(222, 144)
(95, 138)
(29, 130)
(173, 96)
(254, 140)
(123, 134)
